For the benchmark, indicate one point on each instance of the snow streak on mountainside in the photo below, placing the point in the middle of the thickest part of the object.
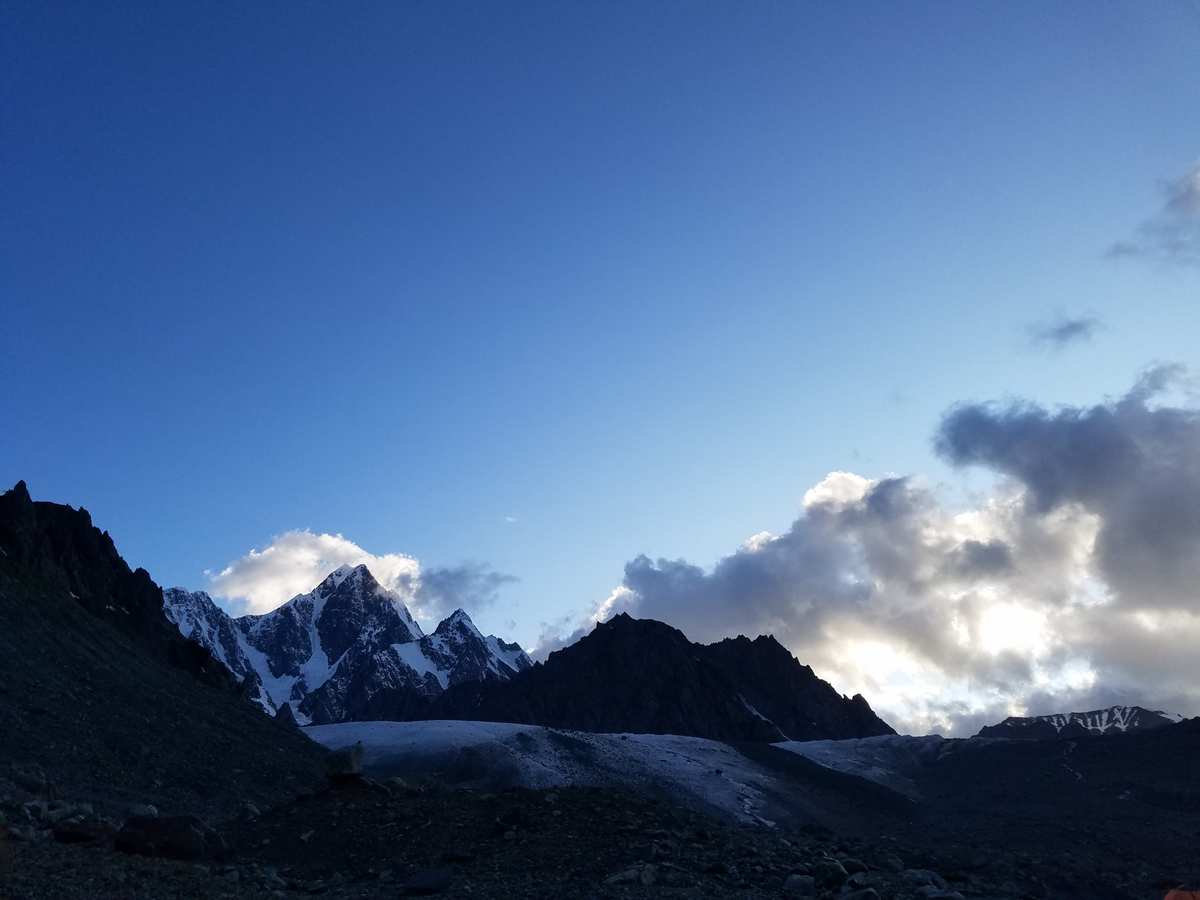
(347, 650)
(1113, 720)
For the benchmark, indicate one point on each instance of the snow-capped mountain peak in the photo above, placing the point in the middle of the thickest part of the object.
(342, 572)
(458, 621)
(349, 649)
(1111, 720)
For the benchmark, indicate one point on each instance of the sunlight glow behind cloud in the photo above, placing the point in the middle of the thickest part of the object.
(1072, 586)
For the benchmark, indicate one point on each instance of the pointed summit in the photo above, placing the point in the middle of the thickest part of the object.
(335, 578)
(457, 621)
(19, 493)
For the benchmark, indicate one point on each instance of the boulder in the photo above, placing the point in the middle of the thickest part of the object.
(799, 886)
(173, 837)
(829, 873)
(919, 877)
(80, 832)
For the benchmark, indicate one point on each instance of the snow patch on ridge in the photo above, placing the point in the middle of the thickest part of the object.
(413, 655)
(511, 655)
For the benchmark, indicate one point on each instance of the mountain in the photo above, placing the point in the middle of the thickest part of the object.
(349, 650)
(639, 675)
(100, 695)
(1113, 720)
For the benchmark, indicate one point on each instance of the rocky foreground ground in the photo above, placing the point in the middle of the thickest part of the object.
(368, 839)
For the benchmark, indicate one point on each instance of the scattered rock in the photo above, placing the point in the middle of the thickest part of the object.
(143, 810)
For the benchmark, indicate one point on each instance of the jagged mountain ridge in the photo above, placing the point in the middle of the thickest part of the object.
(102, 693)
(640, 675)
(1111, 720)
(347, 650)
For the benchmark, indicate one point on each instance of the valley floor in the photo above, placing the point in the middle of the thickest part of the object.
(372, 840)
(465, 809)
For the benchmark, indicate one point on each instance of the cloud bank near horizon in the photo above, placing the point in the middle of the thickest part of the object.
(1073, 585)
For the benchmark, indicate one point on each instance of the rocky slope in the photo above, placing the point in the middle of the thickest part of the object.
(639, 675)
(348, 650)
(1113, 720)
(101, 699)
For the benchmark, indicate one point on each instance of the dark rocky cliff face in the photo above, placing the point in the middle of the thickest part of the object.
(790, 694)
(645, 676)
(102, 693)
(58, 548)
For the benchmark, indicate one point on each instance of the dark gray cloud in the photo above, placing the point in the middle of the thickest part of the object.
(470, 586)
(982, 559)
(1172, 235)
(1133, 464)
(1063, 331)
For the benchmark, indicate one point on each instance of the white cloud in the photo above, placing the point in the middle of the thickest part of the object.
(837, 488)
(297, 561)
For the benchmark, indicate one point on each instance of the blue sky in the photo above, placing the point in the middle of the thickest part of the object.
(635, 276)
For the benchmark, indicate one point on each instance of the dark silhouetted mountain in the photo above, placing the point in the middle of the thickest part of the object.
(1113, 720)
(639, 675)
(349, 650)
(101, 692)
(781, 689)
(59, 549)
